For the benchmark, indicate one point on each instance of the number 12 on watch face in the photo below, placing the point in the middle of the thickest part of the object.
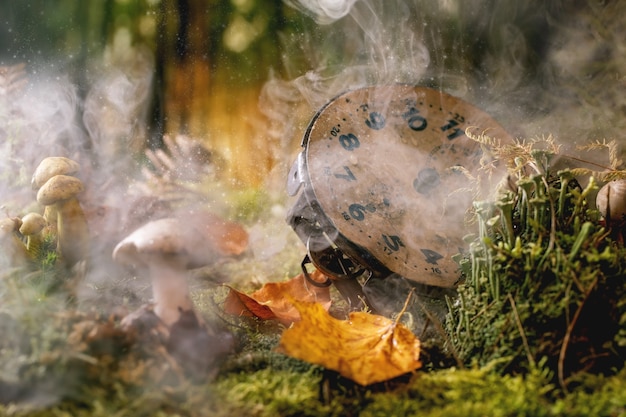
(380, 162)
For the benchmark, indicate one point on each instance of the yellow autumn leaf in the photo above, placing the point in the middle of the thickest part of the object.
(366, 348)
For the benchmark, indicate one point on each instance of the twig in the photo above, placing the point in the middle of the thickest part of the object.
(518, 321)
(603, 167)
(568, 334)
(405, 307)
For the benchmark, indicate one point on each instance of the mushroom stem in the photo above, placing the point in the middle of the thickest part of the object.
(32, 226)
(50, 214)
(72, 231)
(33, 244)
(169, 288)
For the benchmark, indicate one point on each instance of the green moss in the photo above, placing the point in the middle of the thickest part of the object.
(471, 392)
(258, 381)
(541, 275)
(271, 392)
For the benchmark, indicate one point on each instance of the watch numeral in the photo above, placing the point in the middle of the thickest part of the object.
(376, 121)
(431, 256)
(414, 120)
(348, 176)
(456, 131)
(357, 211)
(349, 141)
(426, 181)
(393, 242)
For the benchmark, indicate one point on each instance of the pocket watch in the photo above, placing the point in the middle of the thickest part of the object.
(383, 184)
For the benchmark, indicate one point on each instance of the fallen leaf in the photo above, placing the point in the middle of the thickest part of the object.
(366, 348)
(230, 238)
(241, 304)
(274, 299)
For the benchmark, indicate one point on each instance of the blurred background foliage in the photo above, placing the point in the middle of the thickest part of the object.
(538, 66)
(210, 59)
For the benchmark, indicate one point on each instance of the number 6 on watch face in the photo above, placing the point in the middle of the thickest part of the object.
(380, 162)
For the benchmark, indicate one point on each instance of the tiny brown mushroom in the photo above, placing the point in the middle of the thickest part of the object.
(73, 235)
(51, 166)
(12, 250)
(32, 226)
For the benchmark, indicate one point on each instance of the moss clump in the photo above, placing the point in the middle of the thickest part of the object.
(544, 282)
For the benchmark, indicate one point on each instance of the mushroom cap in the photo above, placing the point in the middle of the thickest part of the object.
(12, 250)
(611, 200)
(51, 166)
(58, 188)
(9, 225)
(164, 237)
(32, 223)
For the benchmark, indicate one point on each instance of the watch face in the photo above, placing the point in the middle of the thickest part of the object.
(389, 167)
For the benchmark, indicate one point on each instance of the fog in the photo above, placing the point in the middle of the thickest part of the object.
(539, 68)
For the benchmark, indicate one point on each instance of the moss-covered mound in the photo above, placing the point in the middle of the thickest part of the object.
(545, 281)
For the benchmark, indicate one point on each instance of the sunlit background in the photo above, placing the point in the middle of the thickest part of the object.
(149, 67)
(210, 68)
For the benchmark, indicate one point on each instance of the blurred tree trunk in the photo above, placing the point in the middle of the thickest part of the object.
(209, 91)
(186, 74)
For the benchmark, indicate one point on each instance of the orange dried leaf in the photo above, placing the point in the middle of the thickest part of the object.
(275, 299)
(366, 348)
(240, 304)
(230, 238)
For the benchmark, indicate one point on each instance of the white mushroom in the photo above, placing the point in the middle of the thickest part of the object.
(166, 248)
(611, 202)
(32, 226)
(60, 191)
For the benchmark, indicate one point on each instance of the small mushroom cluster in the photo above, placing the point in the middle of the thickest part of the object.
(57, 190)
(163, 249)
